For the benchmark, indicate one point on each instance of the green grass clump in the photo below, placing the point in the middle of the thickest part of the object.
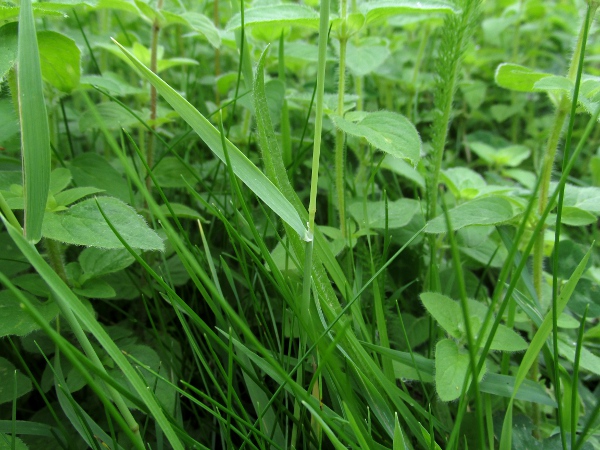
(365, 224)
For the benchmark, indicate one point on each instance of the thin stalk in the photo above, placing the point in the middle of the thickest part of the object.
(591, 9)
(217, 52)
(154, 69)
(340, 150)
(55, 257)
(320, 94)
(550, 154)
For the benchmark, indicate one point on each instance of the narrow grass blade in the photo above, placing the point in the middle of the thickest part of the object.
(536, 345)
(250, 175)
(89, 322)
(35, 135)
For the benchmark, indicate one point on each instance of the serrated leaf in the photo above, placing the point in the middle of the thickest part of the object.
(15, 321)
(276, 15)
(60, 60)
(445, 311)
(381, 9)
(480, 211)
(387, 131)
(451, 366)
(8, 48)
(83, 224)
(6, 442)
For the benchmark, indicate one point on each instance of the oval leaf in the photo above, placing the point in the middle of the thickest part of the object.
(387, 131)
(276, 15)
(59, 58)
(480, 211)
(381, 9)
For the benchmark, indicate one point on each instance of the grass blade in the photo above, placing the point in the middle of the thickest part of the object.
(35, 135)
(250, 175)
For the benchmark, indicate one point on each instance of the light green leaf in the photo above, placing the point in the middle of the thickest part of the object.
(510, 156)
(95, 289)
(387, 131)
(8, 48)
(83, 224)
(381, 9)
(480, 211)
(60, 60)
(445, 311)
(110, 82)
(366, 57)
(276, 15)
(584, 198)
(518, 78)
(587, 361)
(399, 440)
(576, 217)
(241, 165)
(372, 214)
(59, 179)
(402, 168)
(554, 83)
(65, 198)
(96, 262)
(182, 211)
(6, 442)
(35, 134)
(451, 365)
(204, 26)
(15, 321)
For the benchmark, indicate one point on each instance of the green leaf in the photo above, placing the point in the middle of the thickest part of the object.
(584, 198)
(387, 131)
(110, 82)
(12, 260)
(445, 311)
(538, 341)
(276, 15)
(15, 321)
(182, 211)
(95, 289)
(399, 439)
(8, 48)
(518, 78)
(510, 156)
(69, 196)
(576, 217)
(113, 115)
(480, 211)
(59, 179)
(35, 134)
(7, 387)
(83, 224)
(367, 56)
(250, 175)
(372, 214)
(451, 365)
(60, 60)
(381, 9)
(6, 442)
(204, 26)
(96, 262)
(171, 172)
(92, 170)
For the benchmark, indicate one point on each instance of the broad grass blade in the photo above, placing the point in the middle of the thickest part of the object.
(250, 175)
(35, 135)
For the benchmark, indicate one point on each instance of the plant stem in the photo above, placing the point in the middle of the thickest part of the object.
(153, 68)
(55, 257)
(548, 162)
(340, 153)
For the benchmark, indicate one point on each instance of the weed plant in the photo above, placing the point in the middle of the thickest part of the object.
(293, 225)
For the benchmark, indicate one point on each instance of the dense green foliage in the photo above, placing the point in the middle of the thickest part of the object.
(363, 224)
